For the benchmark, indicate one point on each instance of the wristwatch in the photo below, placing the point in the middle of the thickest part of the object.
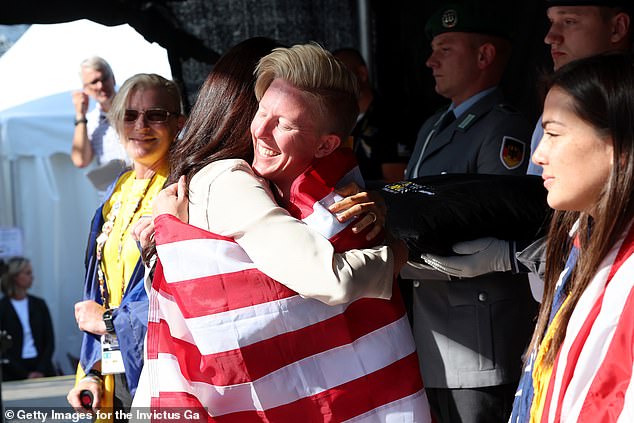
(107, 319)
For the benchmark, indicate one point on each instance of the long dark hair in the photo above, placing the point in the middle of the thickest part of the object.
(602, 92)
(218, 125)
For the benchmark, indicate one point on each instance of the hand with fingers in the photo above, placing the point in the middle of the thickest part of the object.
(173, 200)
(89, 317)
(369, 206)
(143, 231)
(476, 257)
(87, 384)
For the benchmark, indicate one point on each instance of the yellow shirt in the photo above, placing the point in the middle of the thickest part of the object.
(120, 252)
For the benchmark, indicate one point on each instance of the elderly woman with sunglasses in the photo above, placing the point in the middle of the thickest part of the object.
(147, 114)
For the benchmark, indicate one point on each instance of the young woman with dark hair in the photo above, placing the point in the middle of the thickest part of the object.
(581, 360)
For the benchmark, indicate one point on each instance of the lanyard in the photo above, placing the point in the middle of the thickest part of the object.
(103, 237)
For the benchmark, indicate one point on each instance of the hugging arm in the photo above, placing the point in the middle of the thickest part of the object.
(238, 205)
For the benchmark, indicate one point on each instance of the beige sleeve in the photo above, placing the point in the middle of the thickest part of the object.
(240, 206)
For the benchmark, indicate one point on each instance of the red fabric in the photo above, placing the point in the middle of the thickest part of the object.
(604, 400)
(281, 350)
(298, 352)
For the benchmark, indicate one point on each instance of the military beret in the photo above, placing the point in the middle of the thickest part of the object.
(607, 3)
(468, 17)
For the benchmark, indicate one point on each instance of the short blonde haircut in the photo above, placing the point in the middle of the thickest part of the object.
(142, 81)
(312, 69)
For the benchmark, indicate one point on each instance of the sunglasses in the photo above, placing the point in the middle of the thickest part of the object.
(152, 115)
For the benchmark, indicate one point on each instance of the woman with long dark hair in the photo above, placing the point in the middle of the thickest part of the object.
(199, 320)
(581, 357)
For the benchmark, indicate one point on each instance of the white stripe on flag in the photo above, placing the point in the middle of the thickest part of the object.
(412, 408)
(170, 313)
(598, 341)
(577, 319)
(583, 307)
(220, 332)
(196, 258)
(303, 378)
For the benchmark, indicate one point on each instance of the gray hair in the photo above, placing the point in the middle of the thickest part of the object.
(142, 81)
(97, 63)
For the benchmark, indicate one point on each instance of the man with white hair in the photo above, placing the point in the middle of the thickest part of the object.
(94, 137)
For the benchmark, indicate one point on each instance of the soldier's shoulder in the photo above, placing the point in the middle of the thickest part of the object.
(506, 109)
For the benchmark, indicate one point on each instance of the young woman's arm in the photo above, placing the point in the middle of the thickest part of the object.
(228, 199)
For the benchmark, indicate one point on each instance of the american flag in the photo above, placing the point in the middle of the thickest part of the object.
(225, 337)
(591, 381)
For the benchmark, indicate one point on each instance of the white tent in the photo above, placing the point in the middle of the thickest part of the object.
(41, 192)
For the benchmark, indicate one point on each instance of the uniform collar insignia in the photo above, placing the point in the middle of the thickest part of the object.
(467, 121)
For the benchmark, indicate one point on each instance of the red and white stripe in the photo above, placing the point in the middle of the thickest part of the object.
(592, 377)
(224, 336)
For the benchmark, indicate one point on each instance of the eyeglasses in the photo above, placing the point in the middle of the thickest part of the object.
(152, 115)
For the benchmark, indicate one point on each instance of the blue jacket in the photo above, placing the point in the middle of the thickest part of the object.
(130, 318)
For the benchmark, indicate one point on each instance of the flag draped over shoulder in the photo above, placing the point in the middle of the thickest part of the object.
(225, 337)
(591, 380)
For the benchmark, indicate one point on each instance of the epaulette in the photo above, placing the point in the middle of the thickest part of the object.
(507, 108)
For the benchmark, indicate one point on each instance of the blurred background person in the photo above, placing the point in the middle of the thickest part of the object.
(147, 114)
(381, 149)
(27, 320)
(94, 136)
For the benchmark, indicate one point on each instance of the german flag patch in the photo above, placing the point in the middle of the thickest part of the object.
(512, 152)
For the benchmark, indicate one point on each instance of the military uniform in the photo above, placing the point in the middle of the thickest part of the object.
(490, 137)
(471, 333)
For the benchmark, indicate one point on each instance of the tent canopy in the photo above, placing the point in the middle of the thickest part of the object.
(41, 192)
(45, 60)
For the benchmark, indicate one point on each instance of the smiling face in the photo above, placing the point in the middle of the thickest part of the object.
(147, 142)
(287, 135)
(97, 85)
(577, 32)
(577, 161)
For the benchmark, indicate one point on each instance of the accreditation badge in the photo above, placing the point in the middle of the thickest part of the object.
(111, 357)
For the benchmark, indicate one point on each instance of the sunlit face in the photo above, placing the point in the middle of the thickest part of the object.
(576, 32)
(146, 142)
(453, 61)
(577, 161)
(286, 133)
(24, 279)
(96, 85)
